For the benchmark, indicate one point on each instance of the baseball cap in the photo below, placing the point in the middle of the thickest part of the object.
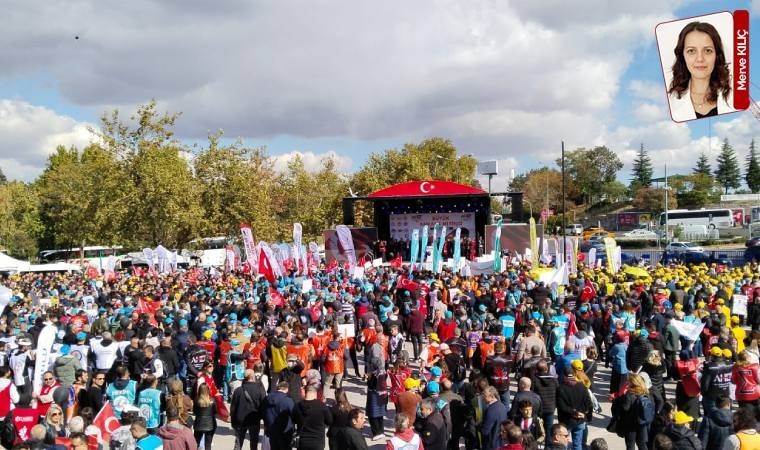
(716, 351)
(411, 383)
(682, 418)
(65, 349)
(81, 336)
(735, 319)
(183, 322)
(727, 353)
(434, 337)
(444, 347)
(433, 387)
(577, 364)
(234, 342)
(208, 334)
(436, 371)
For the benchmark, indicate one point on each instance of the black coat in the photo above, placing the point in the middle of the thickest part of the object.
(247, 410)
(312, 418)
(434, 432)
(572, 398)
(546, 388)
(637, 353)
(205, 417)
(352, 439)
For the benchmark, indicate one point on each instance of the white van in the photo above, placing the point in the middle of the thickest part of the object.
(574, 229)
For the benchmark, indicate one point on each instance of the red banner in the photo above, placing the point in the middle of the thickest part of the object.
(149, 308)
(741, 59)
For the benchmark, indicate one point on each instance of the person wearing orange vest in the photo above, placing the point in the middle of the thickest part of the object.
(383, 340)
(746, 436)
(334, 363)
(431, 351)
(254, 350)
(485, 349)
(318, 343)
(302, 351)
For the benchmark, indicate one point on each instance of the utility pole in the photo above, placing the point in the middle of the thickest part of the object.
(564, 226)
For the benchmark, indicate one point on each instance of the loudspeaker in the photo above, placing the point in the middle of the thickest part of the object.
(348, 211)
(517, 207)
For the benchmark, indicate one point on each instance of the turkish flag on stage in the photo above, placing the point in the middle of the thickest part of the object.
(106, 421)
(406, 283)
(149, 308)
(265, 267)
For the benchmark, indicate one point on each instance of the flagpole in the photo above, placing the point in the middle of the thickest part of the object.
(564, 212)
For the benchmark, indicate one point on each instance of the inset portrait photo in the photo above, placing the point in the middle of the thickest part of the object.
(698, 56)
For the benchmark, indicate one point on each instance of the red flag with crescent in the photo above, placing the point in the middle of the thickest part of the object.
(106, 421)
(396, 262)
(149, 308)
(406, 283)
(265, 267)
(276, 298)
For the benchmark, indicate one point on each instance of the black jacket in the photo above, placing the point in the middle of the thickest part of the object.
(312, 418)
(572, 397)
(169, 358)
(714, 430)
(683, 438)
(247, 410)
(637, 353)
(434, 432)
(546, 388)
(352, 439)
(205, 417)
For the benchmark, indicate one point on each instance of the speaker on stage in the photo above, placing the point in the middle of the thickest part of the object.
(517, 207)
(348, 211)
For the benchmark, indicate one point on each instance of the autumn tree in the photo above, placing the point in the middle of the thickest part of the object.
(590, 169)
(653, 200)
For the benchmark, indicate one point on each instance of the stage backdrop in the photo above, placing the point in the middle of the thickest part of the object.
(363, 243)
(515, 237)
(403, 224)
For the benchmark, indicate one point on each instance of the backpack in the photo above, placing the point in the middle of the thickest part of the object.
(459, 371)
(646, 410)
(7, 432)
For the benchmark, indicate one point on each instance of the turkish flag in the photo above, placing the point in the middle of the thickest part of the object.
(92, 272)
(396, 262)
(149, 308)
(221, 409)
(333, 266)
(265, 267)
(406, 283)
(106, 421)
(276, 298)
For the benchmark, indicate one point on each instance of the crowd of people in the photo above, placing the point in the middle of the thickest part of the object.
(496, 361)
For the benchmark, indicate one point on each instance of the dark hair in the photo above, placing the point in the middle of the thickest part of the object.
(720, 82)
(4, 370)
(556, 427)
(662, 442)
(79, 436)
(514, 433)
(172, 412)
(88, 415)
(723, 401)
(77, 374)
(354, 414)
(744, 418)
(598, 444)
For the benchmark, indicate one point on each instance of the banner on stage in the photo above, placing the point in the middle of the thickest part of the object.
(402, 224)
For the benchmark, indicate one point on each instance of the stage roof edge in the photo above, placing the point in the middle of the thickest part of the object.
(426, 188)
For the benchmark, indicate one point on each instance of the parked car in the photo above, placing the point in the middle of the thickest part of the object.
(640, 233)
(589, 231)
(600, 235)
(679, 247)
(574, 229)
(752, 253)
(694, 257)
(755, 241)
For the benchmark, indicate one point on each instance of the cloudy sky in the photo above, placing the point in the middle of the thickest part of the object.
(504, 80)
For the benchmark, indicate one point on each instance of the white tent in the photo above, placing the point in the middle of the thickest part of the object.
(53, 267)
(9, 264)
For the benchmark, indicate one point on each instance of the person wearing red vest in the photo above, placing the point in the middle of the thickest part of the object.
(746, 377)
(208, 344)
(303, 352)
(254, 350)
(207, 376)
(8, 392)
(24, 417)
(45, 396)
(688, 388)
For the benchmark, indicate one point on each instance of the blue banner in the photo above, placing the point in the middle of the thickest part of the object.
(497, 247)
(415, 248)
(438, 264)
(457, 249)
(423, 245)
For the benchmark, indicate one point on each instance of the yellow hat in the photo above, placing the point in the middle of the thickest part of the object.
(727, 353)
(577, 364)
(735, 320)
(716, 351)
(208, 334)
(720, 301)
(678, 306)
(411, 383)
(700, 304)
(434, 337)
(682, 418)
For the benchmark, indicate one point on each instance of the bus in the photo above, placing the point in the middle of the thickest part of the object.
(210, 251)
(95, 255)
(755, 214)
(710, 218)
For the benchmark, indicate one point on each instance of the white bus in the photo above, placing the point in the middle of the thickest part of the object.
(95, 255)
(710, 218)
(210, 251)
(755, 214)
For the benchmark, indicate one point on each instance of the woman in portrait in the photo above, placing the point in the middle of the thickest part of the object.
(701, 85)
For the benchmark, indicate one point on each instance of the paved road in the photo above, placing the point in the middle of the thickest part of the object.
(225, 439)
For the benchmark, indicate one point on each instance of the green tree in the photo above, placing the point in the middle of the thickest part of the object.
(703, 166)
(653, 200)
(695, 191)
(237, 184)
(642, 170)
(20, 222)
(727, 173)
(752, 172)
(435, 158)
(591, 168)
(614, 191)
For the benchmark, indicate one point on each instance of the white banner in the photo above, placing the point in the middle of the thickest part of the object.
(403, 224)
(249, 246)
(297, 236)
(347, 242)
(690, 331)
(42, 358)
(5, 298)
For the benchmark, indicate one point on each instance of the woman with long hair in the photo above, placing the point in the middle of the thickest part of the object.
(629, 409)
(54, 424)
(701, 84)
(340, 409)
(177, 398)
(205, 416)
(654, 367)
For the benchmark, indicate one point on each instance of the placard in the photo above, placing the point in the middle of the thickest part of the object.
(308, 283)
(740, 305)
(347, 330)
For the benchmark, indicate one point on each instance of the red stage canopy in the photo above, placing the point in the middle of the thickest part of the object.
(427, 188)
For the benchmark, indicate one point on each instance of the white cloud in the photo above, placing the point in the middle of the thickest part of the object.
(359, 70)
(28, 134)
(648, 112)
(313, 162)
(647, 90)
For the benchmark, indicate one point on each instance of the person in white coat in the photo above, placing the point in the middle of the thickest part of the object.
(701, 85)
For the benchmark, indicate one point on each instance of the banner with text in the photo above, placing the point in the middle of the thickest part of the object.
(403, 224)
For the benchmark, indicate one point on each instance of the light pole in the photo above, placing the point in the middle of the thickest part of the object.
(564, 227)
